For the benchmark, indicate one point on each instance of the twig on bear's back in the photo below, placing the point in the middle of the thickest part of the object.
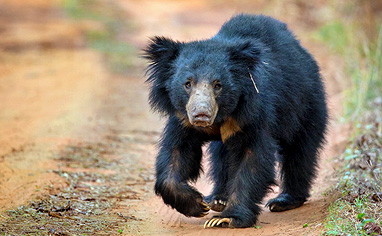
(250, 75)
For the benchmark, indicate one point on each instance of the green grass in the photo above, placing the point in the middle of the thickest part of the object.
(120, 56)
(350, 213)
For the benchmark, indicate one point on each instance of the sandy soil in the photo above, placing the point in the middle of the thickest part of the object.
(56, 92)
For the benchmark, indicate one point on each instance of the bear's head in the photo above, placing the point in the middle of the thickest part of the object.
(201, 82)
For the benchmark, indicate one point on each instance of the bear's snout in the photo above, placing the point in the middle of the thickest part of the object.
(202, 107)
(202, 115)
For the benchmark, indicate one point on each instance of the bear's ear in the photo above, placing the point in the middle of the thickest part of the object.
(245, 54)
(160, 52)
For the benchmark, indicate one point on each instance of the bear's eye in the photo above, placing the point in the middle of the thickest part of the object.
(187, 85)
(217, 85)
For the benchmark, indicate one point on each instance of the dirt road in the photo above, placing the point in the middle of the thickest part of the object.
(73, 130)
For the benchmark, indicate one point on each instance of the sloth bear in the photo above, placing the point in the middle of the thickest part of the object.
(256, 96)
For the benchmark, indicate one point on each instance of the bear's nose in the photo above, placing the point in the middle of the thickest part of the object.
(201, 118)
(201, 112)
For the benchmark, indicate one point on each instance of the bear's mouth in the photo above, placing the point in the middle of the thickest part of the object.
(202, 119)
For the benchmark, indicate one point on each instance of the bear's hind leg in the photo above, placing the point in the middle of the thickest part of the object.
(217, 200)
(298, 169)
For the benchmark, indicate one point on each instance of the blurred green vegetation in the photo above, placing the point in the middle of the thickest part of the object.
(363, 60)
(355, 34)
(336, 35)
(120, 55)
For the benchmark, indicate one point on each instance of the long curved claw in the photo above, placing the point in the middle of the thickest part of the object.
(205, 204)
(205, 224)
(213, 222)
(208, 223)
(223, 220)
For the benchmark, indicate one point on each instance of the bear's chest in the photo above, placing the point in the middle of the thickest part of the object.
(224, 131)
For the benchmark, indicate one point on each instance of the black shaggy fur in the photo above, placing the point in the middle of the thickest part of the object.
(287, 116)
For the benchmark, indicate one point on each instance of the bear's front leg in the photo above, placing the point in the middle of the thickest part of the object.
(219, 174)
(251, 173)
(178, 162)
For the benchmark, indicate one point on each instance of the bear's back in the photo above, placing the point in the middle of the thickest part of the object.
(263, 28)
(274, 37)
